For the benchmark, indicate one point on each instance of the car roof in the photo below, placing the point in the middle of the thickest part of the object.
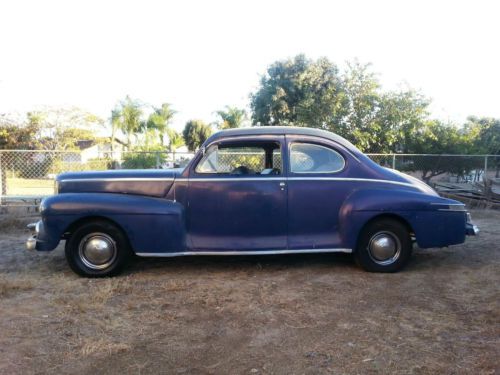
(283, 130)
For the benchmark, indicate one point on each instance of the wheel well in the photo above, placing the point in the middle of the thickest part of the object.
(74, 225)
(393, 217)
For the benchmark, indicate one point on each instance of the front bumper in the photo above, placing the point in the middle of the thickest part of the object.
(31, 243)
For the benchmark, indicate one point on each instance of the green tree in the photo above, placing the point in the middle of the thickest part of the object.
(305, 92)
(484, 133)
(127, 118)
(442, 140)
(300, 92)
(52, 129)
(159, 121)
(175, 140)
(115, 124)
(195, 133)
(231, 117)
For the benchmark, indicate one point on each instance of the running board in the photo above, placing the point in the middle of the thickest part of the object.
(253, 252)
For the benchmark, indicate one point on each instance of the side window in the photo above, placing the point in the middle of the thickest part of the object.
(311, 158)
(242, 159)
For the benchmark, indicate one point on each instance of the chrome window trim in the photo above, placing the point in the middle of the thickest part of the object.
(244, 252)
(290, 150)
(242, 138)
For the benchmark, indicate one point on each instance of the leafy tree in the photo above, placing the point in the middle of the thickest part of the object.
(52, 129)
(304, 92)
(300, 92)
(19, 137)
(442, 140)
(231, 117)
(401, 115)
(195, 133)
(485, 134)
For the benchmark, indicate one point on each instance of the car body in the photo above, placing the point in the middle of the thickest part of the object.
(261, 190)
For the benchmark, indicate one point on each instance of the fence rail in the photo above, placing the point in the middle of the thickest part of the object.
(27, 175)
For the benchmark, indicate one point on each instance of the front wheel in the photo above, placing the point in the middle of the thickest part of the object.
(97, 249)
(383, 246)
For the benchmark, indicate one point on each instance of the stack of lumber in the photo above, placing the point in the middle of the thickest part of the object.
(480, 194)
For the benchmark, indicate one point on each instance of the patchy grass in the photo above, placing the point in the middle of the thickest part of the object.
(30, 186)
(311, 314)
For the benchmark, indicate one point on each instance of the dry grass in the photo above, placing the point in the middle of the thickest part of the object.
(11, 287)
(30, 186)
(100, 347)
(310, 314)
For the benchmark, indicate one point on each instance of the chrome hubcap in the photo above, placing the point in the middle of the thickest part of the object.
(384, 248)
(97, 250)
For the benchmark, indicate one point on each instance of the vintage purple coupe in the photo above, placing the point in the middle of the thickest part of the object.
(262, 190)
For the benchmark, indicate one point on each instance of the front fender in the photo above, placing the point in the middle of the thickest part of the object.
(151, 224)
(432, 227)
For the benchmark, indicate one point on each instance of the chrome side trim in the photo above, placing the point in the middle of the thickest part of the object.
(253, 252)
(119, 179)
(351, 179)
(447, 204)
(231, 179)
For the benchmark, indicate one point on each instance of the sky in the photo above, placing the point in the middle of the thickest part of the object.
(203, 55)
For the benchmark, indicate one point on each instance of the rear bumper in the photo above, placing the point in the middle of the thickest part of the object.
(471, 229)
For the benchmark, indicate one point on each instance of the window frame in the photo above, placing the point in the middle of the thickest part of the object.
(236, 141)
(312, 143)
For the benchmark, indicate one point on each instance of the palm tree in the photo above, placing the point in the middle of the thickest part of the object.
(232, 117)
(175, 140)
(131, 114)
(116, 117)
(160, 119)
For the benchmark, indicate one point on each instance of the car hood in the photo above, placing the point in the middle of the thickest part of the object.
(149, 182)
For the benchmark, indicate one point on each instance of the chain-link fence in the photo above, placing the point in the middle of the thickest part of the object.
(28, 175)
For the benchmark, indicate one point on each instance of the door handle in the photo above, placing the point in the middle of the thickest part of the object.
(282, 186)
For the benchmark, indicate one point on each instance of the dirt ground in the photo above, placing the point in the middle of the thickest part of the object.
(309, 314)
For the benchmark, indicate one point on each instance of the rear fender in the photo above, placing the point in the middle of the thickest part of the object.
(432, 227)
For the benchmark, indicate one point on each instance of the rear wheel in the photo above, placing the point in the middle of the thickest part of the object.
(384, 245)
(97, 249)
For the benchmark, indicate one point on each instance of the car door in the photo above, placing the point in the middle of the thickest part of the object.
(237, 196)
(316, 192)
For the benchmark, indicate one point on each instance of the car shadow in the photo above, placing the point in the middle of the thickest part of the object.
(241, 262)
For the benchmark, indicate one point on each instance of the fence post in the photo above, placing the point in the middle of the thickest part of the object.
(393, 161)
(485, 175)
(3, 180)
(157, 160)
